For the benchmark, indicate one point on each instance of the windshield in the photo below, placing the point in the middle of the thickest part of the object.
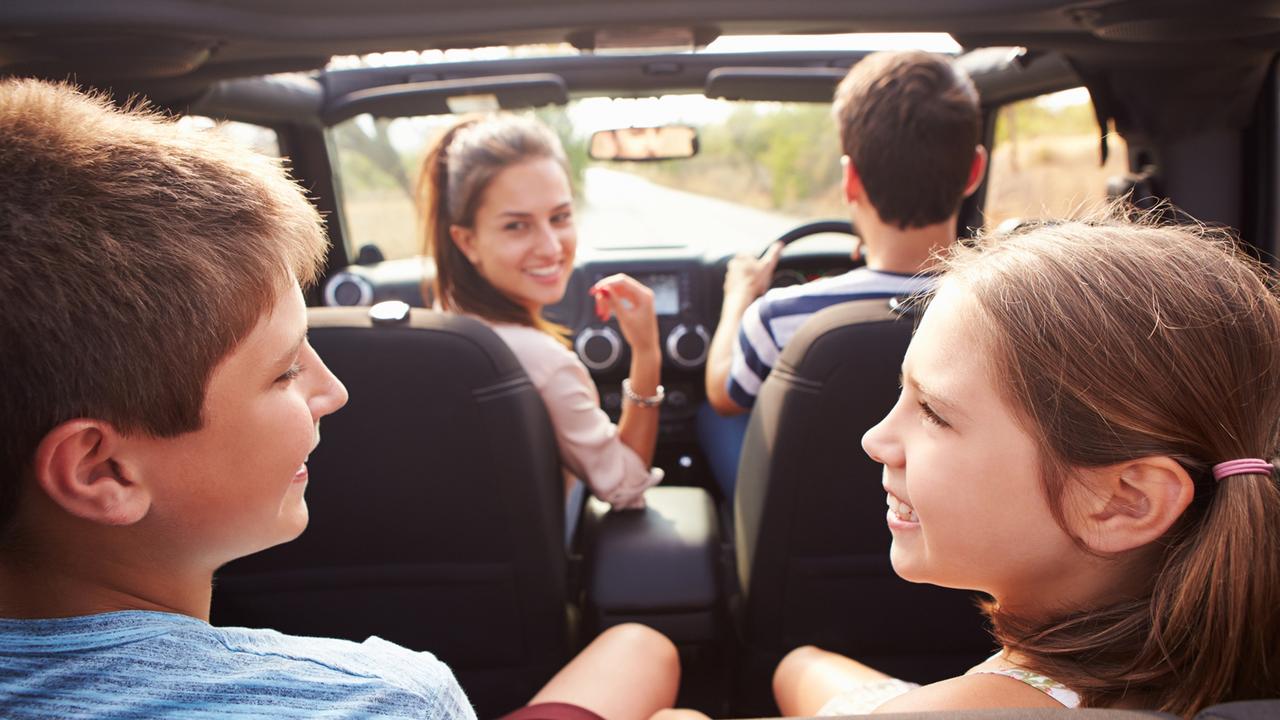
(762, 168)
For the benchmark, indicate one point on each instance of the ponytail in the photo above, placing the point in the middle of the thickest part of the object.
(433, 199)
(1216, 602)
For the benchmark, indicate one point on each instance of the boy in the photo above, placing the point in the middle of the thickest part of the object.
(160, 402)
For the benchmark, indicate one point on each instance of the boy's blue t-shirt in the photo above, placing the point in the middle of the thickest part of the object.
(139, 664)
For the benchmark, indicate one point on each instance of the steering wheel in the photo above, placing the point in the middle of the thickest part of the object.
(815, 228)
(792, 277)
(783, 277)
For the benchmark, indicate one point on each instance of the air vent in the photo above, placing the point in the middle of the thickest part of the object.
(346, 289)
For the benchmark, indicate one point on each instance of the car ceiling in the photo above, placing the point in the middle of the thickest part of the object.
(1164, 70)
(1182, 79)
(173, 48)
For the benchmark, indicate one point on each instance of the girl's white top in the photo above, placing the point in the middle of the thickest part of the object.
(590, 447)
(870, 695)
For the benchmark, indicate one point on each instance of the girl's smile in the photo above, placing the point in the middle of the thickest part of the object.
(961, 475)
(901, 515)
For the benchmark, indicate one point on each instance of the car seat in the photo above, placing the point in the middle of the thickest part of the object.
(809, 516)
(437, 509)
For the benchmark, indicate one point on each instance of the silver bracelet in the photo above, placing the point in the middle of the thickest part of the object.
(645, 402)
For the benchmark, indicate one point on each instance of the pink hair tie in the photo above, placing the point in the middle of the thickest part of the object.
(1243, 466)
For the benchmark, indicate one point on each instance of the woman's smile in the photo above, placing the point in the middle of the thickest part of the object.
(547, 274)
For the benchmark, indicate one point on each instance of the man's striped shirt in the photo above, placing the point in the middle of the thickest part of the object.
(772, 320)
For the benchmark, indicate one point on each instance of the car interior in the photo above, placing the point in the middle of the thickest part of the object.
(436, 496)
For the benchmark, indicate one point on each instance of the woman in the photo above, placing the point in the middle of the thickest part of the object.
(498, 208)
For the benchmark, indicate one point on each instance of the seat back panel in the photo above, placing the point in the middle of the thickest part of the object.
(437, 510)
(810, 531)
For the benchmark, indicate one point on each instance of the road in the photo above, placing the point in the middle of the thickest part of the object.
(620, 210)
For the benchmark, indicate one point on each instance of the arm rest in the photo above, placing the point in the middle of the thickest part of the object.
(653, 563)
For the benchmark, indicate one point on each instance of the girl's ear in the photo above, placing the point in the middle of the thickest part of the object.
(79, 466)
(465, 239)
(1134, 503)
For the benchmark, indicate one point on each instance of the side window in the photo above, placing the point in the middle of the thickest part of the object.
(261, 139)
(375, 164)
(1045, 159)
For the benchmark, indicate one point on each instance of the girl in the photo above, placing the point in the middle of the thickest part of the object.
(499, 223)
(1086, 432)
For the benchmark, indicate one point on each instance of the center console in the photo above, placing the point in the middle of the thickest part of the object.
(682, 333)
(659, 566)
(684, 337)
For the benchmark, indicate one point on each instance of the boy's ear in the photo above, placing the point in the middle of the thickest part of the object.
(977, 170)
(1134, 503)
(77, 465)
(850, 181)
(464, 238)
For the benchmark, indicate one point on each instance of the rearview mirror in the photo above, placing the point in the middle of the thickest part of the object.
(648, 143)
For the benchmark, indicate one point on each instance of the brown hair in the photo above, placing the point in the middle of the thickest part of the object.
(1116, 340)
(134, 255)
(455, 174)
(909, 122)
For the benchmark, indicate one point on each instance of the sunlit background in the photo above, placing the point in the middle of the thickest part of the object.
(762, 168)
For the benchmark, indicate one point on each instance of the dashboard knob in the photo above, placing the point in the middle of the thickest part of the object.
(687, 347)
(348, 289)
(599, 348)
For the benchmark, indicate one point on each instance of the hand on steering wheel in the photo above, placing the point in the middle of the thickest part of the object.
(752, 276)
(749, 275)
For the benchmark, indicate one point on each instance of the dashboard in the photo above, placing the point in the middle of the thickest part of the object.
(686, 312)
(688, 291)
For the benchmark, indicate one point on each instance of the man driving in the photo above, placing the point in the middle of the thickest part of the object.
(909, 127)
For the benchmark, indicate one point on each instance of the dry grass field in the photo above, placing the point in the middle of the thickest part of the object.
(1049, 176)
(384, 218)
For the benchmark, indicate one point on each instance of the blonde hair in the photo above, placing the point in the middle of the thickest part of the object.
(1115, 340)
(134, 255)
